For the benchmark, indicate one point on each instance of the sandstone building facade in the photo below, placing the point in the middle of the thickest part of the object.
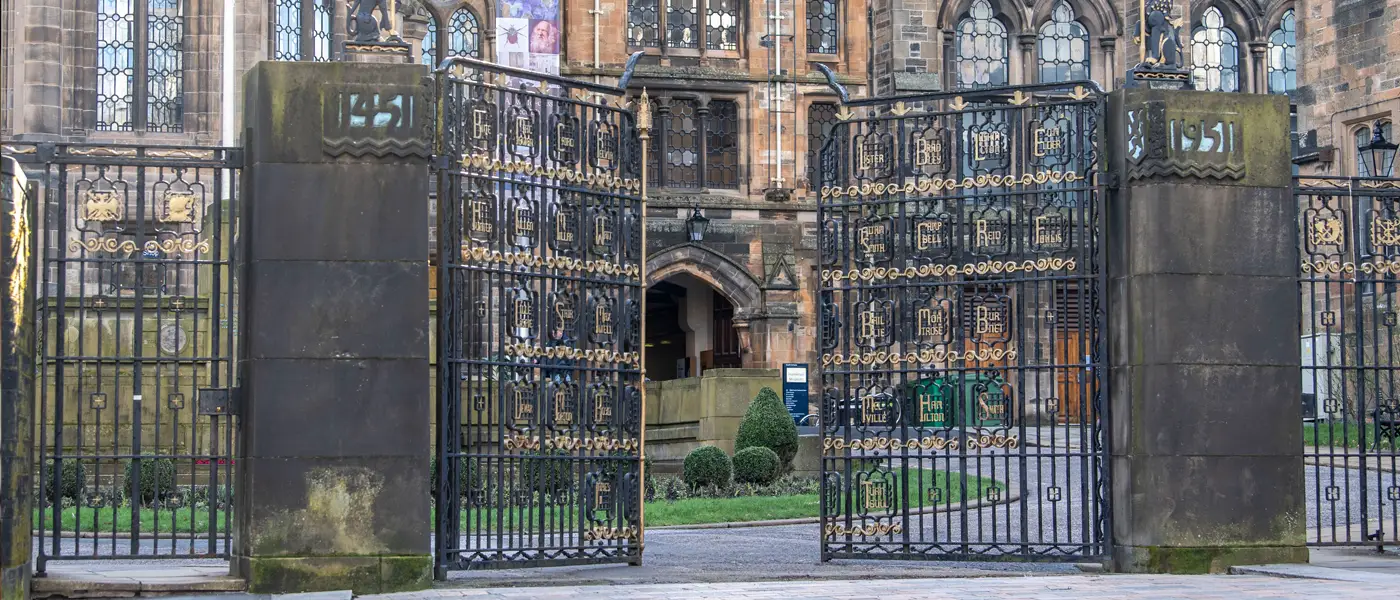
(740, 104)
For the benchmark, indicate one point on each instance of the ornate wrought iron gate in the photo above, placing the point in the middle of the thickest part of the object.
(962, 327)
(1349, 235)
(137, 323)
(540, 238)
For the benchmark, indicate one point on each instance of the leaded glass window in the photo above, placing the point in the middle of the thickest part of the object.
(463, 37)
(321, 32)
(722, 25)
(821, 26)
(140, 65)
(1064, 47)
(1363, 139)
(1215, 54)
(687, 24)
(1283, 55)
(722, 145)
(301, 29)
(696, 144)
(821, 121)
(286, 30)
(116, 64)
(980, 51)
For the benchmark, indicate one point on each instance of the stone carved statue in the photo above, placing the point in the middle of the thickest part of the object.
(1161, 36)
(361, 24)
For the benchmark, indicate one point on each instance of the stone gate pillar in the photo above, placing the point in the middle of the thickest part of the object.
(333, 472)
(1207, 465)
(18, 209)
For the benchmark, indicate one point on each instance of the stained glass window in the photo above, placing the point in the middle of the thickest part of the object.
(116, 65)
(286, 30)
(1064, 47)
(1283, 55)
(1215, 54)
(681, 24)
(821, 120)
(428, 53)
(981, 48)
(821, 26)
(682, 145)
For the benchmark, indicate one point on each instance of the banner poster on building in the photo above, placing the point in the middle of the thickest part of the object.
(528, 35)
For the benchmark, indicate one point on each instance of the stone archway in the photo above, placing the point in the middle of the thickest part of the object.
(718, 270)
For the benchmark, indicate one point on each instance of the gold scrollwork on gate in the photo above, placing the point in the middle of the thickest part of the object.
(979, 268)
(101, 207)
(599, 444)
(562, 352)
(482, 255)
(594, 534)
(102, 244)
(921, 357)
(836, 529)
(602, 181)
(173, 246)
(974, 443)
(938, 184)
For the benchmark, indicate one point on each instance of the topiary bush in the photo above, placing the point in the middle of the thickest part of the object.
(72, 480)
(767, 423)
(157, 478)
(756, 464)
(707, 466)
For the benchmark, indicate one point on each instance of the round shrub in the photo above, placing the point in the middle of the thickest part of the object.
(705, 466)
(157, 478)
(767, 423)
(756, 464)
(72, 480)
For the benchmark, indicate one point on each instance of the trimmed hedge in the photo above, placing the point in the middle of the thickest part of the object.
(466, 476)
(73, 480)
(707, 466)
(157, 478)
(756, 464)
(767, 424)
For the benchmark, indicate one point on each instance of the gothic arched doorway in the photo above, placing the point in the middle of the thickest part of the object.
(690, 329)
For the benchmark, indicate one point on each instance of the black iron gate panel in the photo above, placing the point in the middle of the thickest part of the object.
(962, 332)
(1349, 236)
(136, 326)
(539, 332)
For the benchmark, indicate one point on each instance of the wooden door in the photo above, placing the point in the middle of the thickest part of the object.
(1069, 380)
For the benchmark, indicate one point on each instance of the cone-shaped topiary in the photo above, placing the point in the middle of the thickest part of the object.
(768, 424)
(707, 465)
(756, 464)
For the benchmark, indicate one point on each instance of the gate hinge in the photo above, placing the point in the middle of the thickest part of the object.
(218, 402)
(442, 162)
(233, 157)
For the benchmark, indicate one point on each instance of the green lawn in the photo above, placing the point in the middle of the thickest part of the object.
(152, 520)
(688, 511)
(1335, 434)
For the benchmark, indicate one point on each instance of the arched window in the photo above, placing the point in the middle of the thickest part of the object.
(463, 37)
(301, 28)
(1363, 139)
(1064, 47)
(1283, 56)
(680, 24)
(1215, 54)
(140, 88)
(980, 53)
(821, 26)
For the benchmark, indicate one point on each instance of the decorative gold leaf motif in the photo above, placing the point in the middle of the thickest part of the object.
(836, 529)
(1079, 93)
(1019, 98)
(981, 181)
(102, 244)
(958, 103)
(178, 207)
(844, 114)
(917, 358)
(593, 534)
(974, 443)
(101, 207)
(945, 270)
(899, 109)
